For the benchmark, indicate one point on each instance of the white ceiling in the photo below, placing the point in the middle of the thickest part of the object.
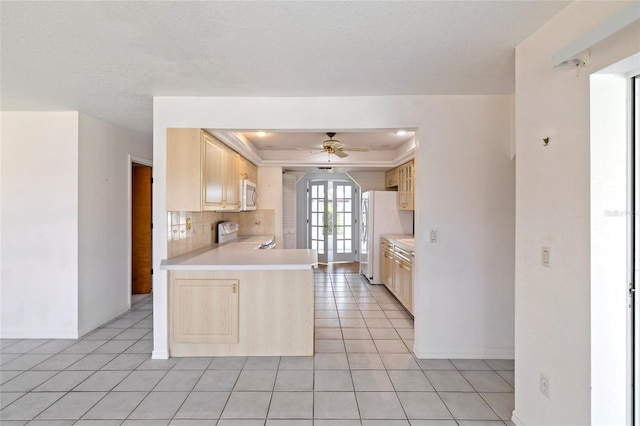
(108, 59)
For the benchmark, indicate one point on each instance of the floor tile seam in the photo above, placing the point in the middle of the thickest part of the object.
(490, 406)
(471, 384)
(85, 412)
(26, 340)
(477, 393)
(131, 372)
(33, 366)
(117, 340)
(354, 388)
(134, 408)
(45, 409)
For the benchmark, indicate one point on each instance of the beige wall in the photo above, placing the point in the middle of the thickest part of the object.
(465, 177)
(553, 321)
(270, 197)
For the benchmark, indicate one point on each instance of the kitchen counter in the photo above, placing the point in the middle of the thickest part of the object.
(405, 241)
(232, 299)
(241, 256)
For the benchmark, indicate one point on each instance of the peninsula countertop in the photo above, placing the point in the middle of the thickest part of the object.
(241, 256)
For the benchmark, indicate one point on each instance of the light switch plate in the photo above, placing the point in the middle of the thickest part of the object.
(433, 236)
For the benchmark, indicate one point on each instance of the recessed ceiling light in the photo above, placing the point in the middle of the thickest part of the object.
(261, 134)
(401, 132)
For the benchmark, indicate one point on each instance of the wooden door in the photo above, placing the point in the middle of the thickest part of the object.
(140, 229)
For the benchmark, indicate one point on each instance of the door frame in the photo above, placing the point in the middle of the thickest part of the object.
(329, 182)
(130, 161)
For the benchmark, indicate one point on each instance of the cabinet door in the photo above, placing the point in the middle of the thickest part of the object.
(397, 278)
(248, 170)
(232, 181)
(407, 285)
(406, 186)
(204, 311)
(252, 172)
(184, 180)
(214, 169)
(386, 263)
(391, 178)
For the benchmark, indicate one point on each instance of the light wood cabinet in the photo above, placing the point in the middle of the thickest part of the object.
(403, 178)
(386, 263)
(204, 311)
(404, 274)
(248, 170)
(202, 172)
(241, 313)
(406, 184)
(391, 178)
(397, 272)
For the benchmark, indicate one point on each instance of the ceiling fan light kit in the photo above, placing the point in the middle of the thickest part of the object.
(333, 146)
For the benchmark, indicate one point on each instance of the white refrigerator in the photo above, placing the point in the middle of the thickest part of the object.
(379, 215)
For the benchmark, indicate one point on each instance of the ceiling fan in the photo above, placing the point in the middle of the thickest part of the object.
(333, 146)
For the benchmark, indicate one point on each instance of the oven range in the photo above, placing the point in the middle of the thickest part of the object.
(228, 233)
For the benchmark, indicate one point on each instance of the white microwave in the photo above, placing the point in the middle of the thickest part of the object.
(248, 195)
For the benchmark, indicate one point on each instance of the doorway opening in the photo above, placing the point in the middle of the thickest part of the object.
(332, 219)
(141, 232)
(615, 198)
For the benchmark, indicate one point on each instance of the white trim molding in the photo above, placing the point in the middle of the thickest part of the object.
(611, 26)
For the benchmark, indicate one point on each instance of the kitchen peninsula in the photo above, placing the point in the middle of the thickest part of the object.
(234, 300)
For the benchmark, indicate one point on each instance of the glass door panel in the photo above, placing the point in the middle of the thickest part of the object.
(318, 219)
(332, 221)
(344, 222)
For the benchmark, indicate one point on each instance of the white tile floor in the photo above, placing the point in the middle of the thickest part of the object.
(363, 374)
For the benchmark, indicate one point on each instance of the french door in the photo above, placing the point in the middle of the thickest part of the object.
(332, 220)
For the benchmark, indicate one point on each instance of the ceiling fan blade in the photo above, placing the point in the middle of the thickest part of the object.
(357, 148)
(337, 145)
(341, 154)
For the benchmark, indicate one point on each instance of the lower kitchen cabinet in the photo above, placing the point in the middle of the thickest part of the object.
(205, 311)
(397, 272)
(241, 313)
(386, 264)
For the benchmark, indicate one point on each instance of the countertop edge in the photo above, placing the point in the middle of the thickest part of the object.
(209, 258)
(394, 238)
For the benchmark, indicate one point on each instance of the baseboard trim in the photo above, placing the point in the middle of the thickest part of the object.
(517, 419)
(160, 354)
(103, 320)
(457, 354)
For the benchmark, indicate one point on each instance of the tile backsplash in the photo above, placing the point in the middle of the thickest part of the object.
(202, 232)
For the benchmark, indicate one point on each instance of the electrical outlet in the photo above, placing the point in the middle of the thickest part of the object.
(544, 385)
(546, 256)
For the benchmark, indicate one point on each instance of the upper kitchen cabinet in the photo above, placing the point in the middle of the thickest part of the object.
(248, 170)
(406, 186)
(202, 172)
(391, 178)
(403, 178)
(220, 176)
